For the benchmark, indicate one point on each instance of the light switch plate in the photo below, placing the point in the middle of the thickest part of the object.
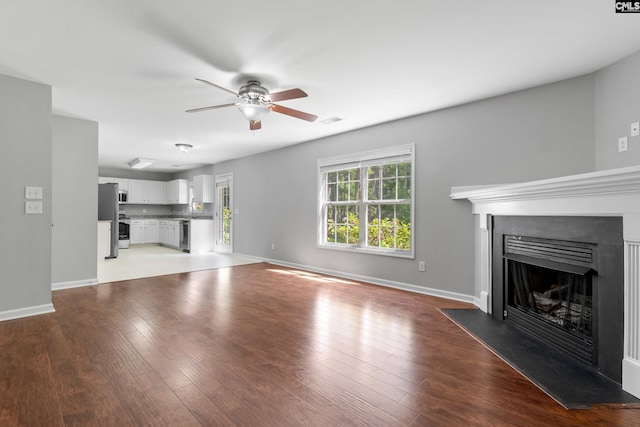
(635, 129)
(33, 193)
(33, 207)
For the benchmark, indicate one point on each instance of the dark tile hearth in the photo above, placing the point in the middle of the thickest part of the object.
(573, 384)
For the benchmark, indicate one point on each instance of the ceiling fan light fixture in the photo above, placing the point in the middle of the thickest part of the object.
(253, 111)
(184, 147)
(139, 163)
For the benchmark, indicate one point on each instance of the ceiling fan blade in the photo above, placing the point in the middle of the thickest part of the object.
(213, 107)
(293, 113)
(216, 86)
(287, 94)
(255, 124)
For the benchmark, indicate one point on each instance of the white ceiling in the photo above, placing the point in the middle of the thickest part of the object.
(130, 65)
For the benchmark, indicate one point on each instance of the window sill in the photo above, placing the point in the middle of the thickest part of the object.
(370, 251)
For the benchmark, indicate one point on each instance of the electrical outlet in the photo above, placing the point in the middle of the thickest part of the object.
(273, 246)
(635, 129)
(623, 144)
(422, 266)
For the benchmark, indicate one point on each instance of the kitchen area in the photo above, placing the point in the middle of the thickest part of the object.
(138, 213)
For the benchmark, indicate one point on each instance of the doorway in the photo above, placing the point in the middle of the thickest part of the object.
(224, 213)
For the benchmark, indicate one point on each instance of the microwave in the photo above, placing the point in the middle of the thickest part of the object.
(123, 196)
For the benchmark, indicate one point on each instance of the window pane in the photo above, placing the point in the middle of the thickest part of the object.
(404, 169)
(403, 237)
(403, 213)
(373, 184)
(343, 191)
(387, 212)
(389, 171)
(353, 225)
(404, 188)
(373, 226)
(332, 192)
(354, 191)
(331, 224)
(389, 189)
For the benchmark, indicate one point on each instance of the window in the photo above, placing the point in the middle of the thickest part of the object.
(374, 188)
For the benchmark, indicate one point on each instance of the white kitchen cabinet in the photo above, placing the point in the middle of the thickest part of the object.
(104, 239)
(203, 188)
(169, 233)
(151, 231)
(164, 237)
(143, 191)
(178, 192)
(136, 232)
(201, 236)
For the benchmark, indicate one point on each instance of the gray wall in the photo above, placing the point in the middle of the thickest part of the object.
(617, 106)
(75, 200)
(25, 138)
(533, 134)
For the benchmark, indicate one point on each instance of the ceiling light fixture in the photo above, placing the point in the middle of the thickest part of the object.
(184, 147)
(140, 163)
(252, 110)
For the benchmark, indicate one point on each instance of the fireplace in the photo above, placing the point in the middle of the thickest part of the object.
(609, 193)
(560, 279)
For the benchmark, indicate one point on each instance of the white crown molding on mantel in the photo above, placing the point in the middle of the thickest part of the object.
(613, 192)
(596, 193)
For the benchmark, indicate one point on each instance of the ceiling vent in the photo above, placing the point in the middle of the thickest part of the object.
(331, 120)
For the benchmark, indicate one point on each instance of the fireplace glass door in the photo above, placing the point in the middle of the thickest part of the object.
(553, 301)
(560, 297)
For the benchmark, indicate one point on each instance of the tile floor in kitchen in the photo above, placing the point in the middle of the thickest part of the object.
(153, 260)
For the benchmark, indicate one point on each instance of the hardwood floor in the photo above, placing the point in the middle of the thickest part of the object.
(261, 345)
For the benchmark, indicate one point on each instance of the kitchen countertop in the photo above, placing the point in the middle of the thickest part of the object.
(172, 217)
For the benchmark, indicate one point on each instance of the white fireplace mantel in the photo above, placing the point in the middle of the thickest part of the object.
(605, 193)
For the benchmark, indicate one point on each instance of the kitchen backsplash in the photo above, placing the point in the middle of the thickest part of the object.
(132, 210)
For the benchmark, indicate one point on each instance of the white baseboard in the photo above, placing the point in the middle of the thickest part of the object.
(73, 284)
(631, 376)
(376, 281)
(26, 312)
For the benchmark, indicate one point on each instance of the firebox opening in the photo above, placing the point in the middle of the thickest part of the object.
(563, 298)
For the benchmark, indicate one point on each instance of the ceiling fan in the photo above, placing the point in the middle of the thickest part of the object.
(256, 101)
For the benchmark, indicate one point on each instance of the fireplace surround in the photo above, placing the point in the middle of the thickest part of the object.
(560, 278)
(612, 193)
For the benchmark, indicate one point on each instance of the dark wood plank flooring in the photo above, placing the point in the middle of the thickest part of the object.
(262, 345)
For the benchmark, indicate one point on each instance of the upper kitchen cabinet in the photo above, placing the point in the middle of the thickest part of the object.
(143, 191)
(178, 192)
(203, 188)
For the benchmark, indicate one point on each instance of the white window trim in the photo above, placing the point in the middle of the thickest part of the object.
(354, 160)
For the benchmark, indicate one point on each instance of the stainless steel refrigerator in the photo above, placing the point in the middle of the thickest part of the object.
(108, 210)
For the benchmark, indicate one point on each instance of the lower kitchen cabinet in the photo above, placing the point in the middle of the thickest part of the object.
(136, 232)
(170, 233)
(144, 231)
(201, 236)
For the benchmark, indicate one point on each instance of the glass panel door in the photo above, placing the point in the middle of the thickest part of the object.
(223, 217)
